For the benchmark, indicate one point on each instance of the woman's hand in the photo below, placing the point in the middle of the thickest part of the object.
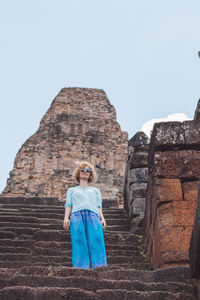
(66, 223)
(103, 223)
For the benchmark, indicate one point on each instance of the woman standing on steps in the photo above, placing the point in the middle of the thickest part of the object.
(84, 203)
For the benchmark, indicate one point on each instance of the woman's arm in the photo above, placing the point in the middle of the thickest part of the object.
(67, 212)
(101, 214)
(103, 221)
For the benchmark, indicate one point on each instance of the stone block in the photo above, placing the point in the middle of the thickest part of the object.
(138, 175)
(138, 160)
(192, 132)
(167, 134)
(136, 224)
(167, 189)
(176, 213)
(170, 244)
(138, 140)
(138, 207)
(175, 133)
(138, 190)
(177, 164)
(190, 190)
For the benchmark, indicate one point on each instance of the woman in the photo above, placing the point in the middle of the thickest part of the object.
(84, 203)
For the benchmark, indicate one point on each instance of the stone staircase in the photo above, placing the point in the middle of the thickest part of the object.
(35, 258)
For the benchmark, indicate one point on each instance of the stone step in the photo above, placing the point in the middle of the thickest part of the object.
(172, 274)
(58, 293)
(106, 203)
(141, 295)
(113, 237)
(36, 259)
(43, 293)
(111, 272)
(39, 201)
(53, 208)
(27, 228)
(58, 245)
(48, 201)
(35, 250)
(25, 219)
(19, 264)
(61, 258)
(55, 214)
(7, 235)
(92, 284)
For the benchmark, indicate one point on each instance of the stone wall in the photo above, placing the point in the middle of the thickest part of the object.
(194, 249)
(79, 125)
(173, 161)
(135, 180)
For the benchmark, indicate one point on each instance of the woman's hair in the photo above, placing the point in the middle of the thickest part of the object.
(82, 164)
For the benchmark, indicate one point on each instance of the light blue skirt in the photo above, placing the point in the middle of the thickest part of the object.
(87, 238)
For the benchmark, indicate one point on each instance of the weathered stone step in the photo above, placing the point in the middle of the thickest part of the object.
(7, 235)
(107, 203)
(14, 250)
(53, 215)
(34, 200)
(58, 245)
(117, 237)
(47, 208)
(136, 265)
(43, 293)
(19, 264)
(56, 214)
(35, 250)
(6, 220)
(23, 219)
(112, 237)
(91, 284)
(19, 243)
(170, 274)
(58, 293)
(45, 201)
(61, 258)
(141, 295)
(34, 227)
(19, 230)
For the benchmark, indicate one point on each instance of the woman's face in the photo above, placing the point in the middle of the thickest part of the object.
(84, 173)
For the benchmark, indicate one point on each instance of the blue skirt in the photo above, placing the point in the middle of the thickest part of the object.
(87, 238)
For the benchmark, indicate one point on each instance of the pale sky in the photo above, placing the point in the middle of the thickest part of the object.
(143, 54)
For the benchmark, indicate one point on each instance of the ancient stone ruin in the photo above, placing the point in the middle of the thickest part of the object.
(159, 186)
(173, 161)
(79, 125)
(135, 180)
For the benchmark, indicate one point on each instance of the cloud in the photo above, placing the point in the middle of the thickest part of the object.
(148, 126)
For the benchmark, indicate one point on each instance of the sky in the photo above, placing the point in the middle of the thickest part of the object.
(143, 54)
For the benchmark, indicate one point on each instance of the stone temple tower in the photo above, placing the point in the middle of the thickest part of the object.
(79, 125)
